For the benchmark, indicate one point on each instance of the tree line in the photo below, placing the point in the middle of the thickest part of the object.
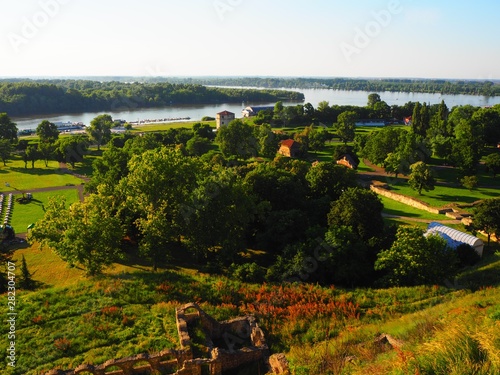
(431, 86)
(63, 96)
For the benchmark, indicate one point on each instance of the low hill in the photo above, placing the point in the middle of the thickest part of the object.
(425, 330)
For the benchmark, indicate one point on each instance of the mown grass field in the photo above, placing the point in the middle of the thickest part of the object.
(26, 214)
(25, 179)
(445, 195)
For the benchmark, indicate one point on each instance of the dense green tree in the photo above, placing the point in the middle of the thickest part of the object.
(469, 182)
(268, 141)
(86, 234)
(487, 122)
(204, 131)
(330, 179)
(381, 110)
(373, 99)
(99, 130)
(382, 143)
(415, 259)
(8, 128)
(416, 118)
(6, 149)
(439, 123)
(487, 217)
(32, 154)
(395, 163)
(465, 156)
(108, 170)
(71, 150)
(46, 152)
(317, 138)
(421, 177)
(237, 139)
(492, 162)
(442, 147)
(47, 132)
(217, 215)
(359, 209)
(198, 146)
(348, 259)
(346, 126)
(158, 187)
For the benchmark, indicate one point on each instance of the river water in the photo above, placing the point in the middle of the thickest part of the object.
(313, 96)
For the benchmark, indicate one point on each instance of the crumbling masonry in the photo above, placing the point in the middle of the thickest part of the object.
(229, 345)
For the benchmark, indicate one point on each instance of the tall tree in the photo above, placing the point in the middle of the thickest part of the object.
(8, 128)
(32, 154)
(158, 188)
(492, 162)
(86, 234)
(330, 179)
(268, 141)
(487, 217)
(421, 177)
(217, 215)
(47, 132)
(99, 130)
(26, 280)
(359, 209)
(346, 126)
(71, 150)
(6, 149)
(373, 99)
(414, 259)
(46, 152)
(237, 139)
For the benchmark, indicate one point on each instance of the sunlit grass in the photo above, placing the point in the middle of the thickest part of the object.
(25, 214)
(15, 176)
(392, 207)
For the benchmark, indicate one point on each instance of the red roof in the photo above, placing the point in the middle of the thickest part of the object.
(225, 113)
(288, 143)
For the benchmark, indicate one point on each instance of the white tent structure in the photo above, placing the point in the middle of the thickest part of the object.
(454, 237)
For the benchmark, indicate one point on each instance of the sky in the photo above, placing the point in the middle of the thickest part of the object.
(298, 38)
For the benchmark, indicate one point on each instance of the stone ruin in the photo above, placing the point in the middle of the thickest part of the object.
(228, 345)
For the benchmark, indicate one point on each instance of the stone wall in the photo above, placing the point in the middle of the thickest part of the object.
(240, 330)
(408, 200)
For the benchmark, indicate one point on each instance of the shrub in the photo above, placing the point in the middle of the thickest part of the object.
(248, 272)
(62, 344)
(467, 255)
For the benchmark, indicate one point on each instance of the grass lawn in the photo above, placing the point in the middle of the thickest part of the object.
(166, 126)
(20, 178)
(25, 214)
(47, 268)
(392, 207)
(444, 195)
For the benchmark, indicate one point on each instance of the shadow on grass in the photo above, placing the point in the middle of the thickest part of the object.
(456, 199)
(36, 171)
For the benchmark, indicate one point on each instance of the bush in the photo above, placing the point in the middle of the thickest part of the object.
(467, 255)
(248, 272)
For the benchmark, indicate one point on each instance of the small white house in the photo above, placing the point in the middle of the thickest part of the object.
(455, 237)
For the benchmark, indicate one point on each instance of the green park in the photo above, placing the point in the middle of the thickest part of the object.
(259, 217)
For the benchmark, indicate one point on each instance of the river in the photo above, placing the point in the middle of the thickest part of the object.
(313, 96)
